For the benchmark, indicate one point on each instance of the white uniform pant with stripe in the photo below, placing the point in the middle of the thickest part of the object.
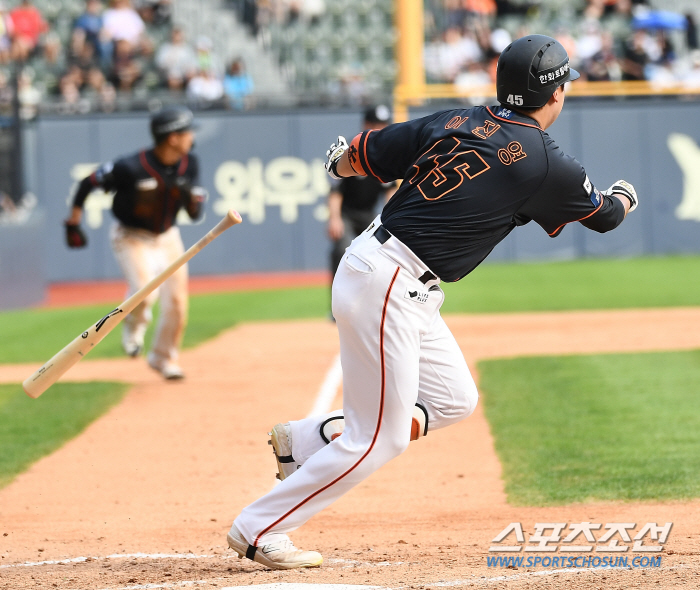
(142, 255)
(395, 351)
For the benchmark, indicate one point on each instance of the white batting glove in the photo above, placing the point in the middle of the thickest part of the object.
(624, 188)
(333, 156)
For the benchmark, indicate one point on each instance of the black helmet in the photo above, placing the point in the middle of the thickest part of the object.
(171, 120)
(530, 69)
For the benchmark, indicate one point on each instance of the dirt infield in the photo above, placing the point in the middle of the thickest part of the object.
(145, 496)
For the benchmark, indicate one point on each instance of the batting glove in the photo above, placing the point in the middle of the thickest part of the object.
(333, 156)
(624, 188)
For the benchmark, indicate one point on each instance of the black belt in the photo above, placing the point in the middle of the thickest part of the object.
(382, 234)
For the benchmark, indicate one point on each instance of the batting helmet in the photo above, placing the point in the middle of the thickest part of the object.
(171, 120)
(530, 69)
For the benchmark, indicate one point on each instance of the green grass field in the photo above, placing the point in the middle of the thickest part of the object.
(586, 284)
(33, 428)
(549, 415)
(599, 427)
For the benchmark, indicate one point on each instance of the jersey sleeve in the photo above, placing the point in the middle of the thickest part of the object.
(193, 169)
(567, 195)
(388, 153)
(107, 177)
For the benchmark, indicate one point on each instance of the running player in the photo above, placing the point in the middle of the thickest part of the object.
(150, 187)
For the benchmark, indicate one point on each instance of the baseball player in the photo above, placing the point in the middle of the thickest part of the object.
(352, 201)
(149, 188)
(470, 176)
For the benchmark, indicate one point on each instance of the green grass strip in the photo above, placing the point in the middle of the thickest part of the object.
(32, 428)
(669, 281)
(598, 427)
(37, 334)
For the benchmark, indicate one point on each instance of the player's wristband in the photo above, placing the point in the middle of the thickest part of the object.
(333, 170)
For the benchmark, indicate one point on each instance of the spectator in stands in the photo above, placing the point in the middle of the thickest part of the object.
(155, 12)
(70, 84)
(603, 65)
(6, 95)
(309, 11)
(590, 42)
(445, 58)
(122, 23)
(176, 61)
(238, 85)
(126, 69)
(691, 78)
(29, 96)
(98, 89)
(6, 31)
(205, 88)
(28, 26)
(207, 60)
(84, 56)
(691, 32)
(635, 57)
(50, 66)
(87, 28)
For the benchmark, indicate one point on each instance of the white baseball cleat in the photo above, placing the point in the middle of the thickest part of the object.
(131, 344)
(169, 370)
(281, 441)
(280, 555)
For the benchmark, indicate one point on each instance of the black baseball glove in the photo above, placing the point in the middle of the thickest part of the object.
(75, 237)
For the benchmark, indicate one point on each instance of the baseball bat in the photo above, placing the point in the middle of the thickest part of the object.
(51, 371)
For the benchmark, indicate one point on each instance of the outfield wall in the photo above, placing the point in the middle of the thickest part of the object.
(270, 168)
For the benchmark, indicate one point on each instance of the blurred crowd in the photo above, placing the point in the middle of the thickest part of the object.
(110, 53)
(122, 50)
(607, 40)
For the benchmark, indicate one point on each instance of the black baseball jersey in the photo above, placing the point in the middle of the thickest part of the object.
(470, 176)
(361, 193)
(148, 194)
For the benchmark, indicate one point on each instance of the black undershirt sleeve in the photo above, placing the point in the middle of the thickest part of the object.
(105, 177)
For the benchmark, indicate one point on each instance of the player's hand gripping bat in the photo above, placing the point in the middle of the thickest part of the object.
(63, 360)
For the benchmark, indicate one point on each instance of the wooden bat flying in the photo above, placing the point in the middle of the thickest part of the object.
(63, 360)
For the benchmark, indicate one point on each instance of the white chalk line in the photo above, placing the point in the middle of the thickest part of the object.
(329, 388)
(479, 581)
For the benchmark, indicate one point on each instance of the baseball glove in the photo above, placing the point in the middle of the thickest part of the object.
(75, 237)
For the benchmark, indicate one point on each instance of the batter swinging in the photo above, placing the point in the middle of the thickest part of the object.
(470, 176)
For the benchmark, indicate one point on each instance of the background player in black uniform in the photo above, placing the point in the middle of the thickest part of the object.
(150, 188)
(470, 176)
(352, 202)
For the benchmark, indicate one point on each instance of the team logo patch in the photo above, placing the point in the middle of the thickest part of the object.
(587, 186)
(416, 295)
(505, 113)
(147, 184)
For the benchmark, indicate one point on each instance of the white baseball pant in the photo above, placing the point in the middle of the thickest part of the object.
(395, 350)
(142, 255)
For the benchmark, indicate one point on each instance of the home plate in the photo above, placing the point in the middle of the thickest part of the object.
(302, 587)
